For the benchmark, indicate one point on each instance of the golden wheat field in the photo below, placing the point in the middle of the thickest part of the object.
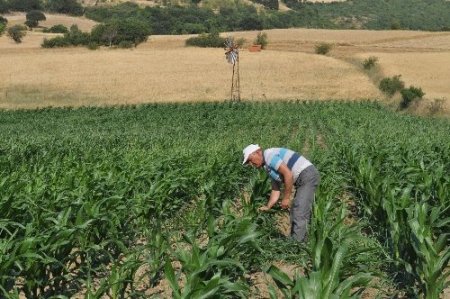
(430, 71)
(163, 69)
(185, 74)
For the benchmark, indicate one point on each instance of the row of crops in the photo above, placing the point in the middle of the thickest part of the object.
(116, 202)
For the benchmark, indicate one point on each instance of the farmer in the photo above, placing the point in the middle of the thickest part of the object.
(288, 167)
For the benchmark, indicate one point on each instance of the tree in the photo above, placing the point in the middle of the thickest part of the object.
(3, 6)
(33, 18)
(24, 5)
(128, 31)
(110, 34)
(71, 7)
(17, 32)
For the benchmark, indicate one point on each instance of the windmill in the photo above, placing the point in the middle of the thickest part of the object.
(232, 56)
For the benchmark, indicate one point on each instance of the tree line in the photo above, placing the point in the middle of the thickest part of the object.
(432, 15)
(70, 7)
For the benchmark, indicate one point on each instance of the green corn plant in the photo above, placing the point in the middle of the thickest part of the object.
(218, 286)
(433, 252)
(205, 277)
(121, 277)
(155, 252)
(326, 282)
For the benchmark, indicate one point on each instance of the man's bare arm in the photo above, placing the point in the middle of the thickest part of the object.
(288, 185)
(274, 196)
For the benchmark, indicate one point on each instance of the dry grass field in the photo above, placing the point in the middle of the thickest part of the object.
(163, 69)
(430, 71)
(185, 74)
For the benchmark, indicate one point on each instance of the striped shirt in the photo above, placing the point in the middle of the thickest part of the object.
(273, 157)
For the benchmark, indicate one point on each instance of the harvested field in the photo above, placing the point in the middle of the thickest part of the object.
(426, 70)
(185, 74)
(163, 69)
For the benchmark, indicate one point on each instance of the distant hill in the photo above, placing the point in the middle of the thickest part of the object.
(184, 17)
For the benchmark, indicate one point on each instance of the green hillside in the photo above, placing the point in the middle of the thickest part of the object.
(363, 14)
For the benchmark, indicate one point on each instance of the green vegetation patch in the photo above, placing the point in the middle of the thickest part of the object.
(92, 196)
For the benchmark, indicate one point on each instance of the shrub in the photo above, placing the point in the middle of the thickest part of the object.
(370, 62)
(211, 40)
(76, 37)
(436, 106)
(56, 42)
(2, 28)
(240, 42)
(390, 86)
(17, 32)
(57, 29)
(409, 95)
(92, 46)
(126, 44)
(261, 39)
(33, 18)
(3, 22)
(323, 48)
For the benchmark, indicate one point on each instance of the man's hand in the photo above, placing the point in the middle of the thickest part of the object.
(285, 203)
(263, 209)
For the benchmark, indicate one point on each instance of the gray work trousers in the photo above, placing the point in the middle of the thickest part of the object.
(305, 185)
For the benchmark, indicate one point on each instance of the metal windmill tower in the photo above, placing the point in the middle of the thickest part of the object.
(232, 55)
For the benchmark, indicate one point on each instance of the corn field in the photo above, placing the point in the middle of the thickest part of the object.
(114, 202)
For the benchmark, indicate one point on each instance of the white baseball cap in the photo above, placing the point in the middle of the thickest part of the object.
(249, 150)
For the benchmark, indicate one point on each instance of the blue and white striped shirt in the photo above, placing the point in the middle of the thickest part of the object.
(273, 157)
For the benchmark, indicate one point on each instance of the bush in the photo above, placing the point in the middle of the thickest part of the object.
(390, 86)
(261, 39)
(211, 40)
(17, 32)
(2, 28)
(370, 62)
(92, 46)
(240, 42)
(126, 44)
(56, 29)
(3, 22)
(75, 37)
(56, 42)
(323, 48)
(409, 95)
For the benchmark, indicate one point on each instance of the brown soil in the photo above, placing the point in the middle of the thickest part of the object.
(283, 223)
(262, 281)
